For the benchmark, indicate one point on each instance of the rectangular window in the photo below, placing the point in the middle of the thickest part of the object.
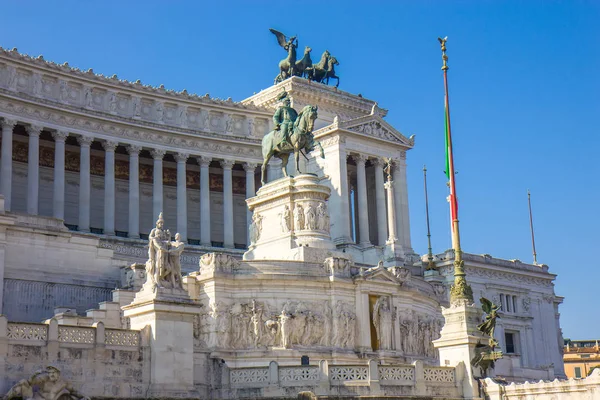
(514, 300)
(502, 307)
(509, 339)
(577, 372)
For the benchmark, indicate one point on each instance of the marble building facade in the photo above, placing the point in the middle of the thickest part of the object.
(87, 163)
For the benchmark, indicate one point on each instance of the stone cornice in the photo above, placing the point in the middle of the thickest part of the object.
(126, 130)
(113, 82)
(306, 91)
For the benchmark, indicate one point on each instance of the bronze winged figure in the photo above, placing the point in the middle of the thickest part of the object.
(287, 66)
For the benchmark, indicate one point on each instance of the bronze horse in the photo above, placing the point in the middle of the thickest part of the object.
(303, 64)
(299, 139)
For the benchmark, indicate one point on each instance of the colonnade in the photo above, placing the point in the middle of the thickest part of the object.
(133, 150)
(397, 209)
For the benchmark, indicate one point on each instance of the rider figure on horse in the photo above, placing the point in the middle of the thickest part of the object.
(284, 119)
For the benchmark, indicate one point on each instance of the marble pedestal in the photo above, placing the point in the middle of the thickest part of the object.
(457, 342)
(291, 220)
(170, 315)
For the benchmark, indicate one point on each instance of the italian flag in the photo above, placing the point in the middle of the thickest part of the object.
(450, 166)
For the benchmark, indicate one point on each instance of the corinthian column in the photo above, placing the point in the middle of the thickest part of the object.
(6, 163)
(134, 191)
(59, 174)
(205, 239)
(250, 192)
(84, 182)
(227, 203)
(380, 200)
(33, 169)
(182, 195)
(401, 196)
(157, 183)
(109, 187)
(363, 206)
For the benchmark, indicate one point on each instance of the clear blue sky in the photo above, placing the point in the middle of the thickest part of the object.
(524, 94)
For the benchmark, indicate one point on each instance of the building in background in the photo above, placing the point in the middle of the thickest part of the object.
(580, 357)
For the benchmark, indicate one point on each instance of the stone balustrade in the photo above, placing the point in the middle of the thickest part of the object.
(40, 334)
(366, 379)
(81, 354)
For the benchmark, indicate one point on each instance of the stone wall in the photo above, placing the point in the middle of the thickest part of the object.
(98, 362)
(572, 389)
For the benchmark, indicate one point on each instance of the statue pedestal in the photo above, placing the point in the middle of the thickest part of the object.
(457, 342)
(290, 221)
(170, 315)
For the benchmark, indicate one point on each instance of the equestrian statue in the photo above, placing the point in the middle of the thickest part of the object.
(292, 134)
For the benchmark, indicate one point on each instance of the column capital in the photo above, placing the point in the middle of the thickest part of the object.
(181, 157)
(359, 158)
(60, 136)
(9, 123)
(227, 164)
(403, 155)
(109, 145)
(248, 166)
(134, 149)
(204, 161)
(34, 130)
(85, 140)
(378, 162)
(158, 154)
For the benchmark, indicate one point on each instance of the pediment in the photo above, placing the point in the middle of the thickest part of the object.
(380, 274)
(375, 126)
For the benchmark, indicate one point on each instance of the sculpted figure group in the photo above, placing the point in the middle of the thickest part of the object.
(256, 325)
(305, 217)
(164, 266)
(320, 72)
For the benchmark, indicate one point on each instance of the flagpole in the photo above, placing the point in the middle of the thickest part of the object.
(531, 228)
(430, 263)
(460, 292)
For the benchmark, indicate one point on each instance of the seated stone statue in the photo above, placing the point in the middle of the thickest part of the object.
(49, 385)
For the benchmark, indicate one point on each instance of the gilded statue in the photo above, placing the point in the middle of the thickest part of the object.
(485, 354)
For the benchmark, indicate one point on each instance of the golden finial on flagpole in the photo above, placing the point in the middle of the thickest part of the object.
(444, 56)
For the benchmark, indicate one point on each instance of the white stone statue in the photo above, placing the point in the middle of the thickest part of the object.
(64, 94)
(255, 228)
(257, 323)
(37, 85)
(298, 217)
(163, 266)
(382, 320)
(88, 97)
(286, 219)
(285, 321)
(250, 127)
(112, 104)
(228, 123)
(49, 385)
(183, 116)
(322, 218)
(220, 332)
(206, 120)
(311, 217)
(136, 106)
(11, 81)
(160, 110)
